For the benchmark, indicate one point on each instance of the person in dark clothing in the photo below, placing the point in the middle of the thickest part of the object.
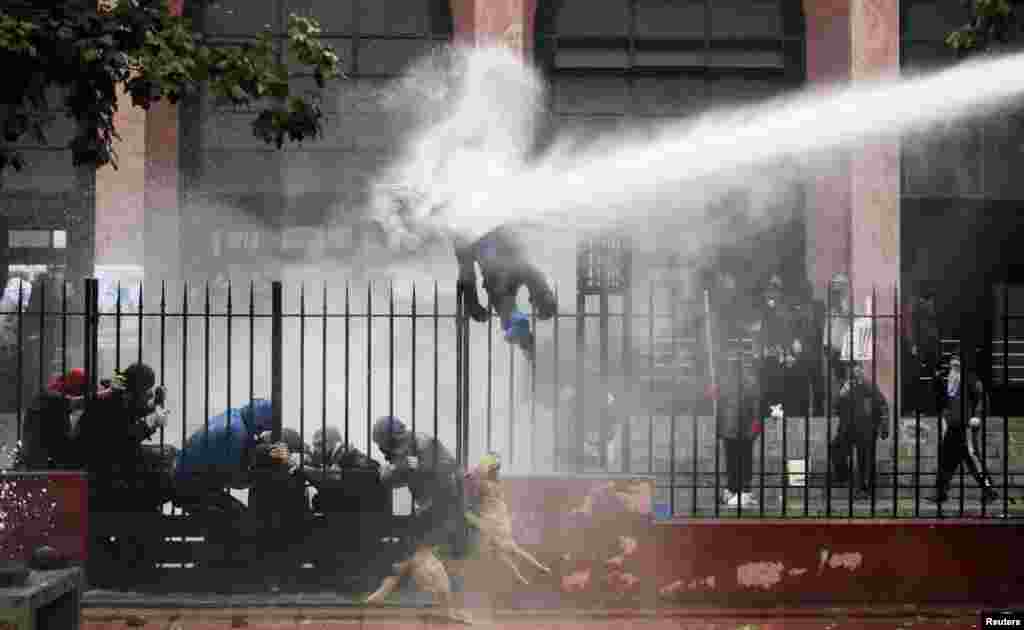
(46, 435)
(963, 406)
(733, 387)
(863, 417)
(505, 269)
(421, 463)
(109, 438)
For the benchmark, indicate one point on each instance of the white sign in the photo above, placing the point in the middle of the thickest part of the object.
(862, 337)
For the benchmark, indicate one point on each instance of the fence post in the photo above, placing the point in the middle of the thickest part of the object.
(276, 343)
(91, 328)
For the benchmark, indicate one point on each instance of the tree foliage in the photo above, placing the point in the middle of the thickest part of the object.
(991, 22)
(88, 50)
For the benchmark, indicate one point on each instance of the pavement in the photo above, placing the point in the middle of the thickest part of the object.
(821, 618)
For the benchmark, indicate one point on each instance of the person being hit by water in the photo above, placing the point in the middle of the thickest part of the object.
(46, 430)
(109, 438)
(863, 417)
(963, 406)
(505, 269)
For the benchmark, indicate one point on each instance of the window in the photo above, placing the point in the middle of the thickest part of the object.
(37, 239)
(668, 57)
(372, 37)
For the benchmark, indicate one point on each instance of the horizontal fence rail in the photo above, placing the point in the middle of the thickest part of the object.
(639, 387)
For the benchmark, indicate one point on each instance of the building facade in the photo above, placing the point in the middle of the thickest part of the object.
(198, 195)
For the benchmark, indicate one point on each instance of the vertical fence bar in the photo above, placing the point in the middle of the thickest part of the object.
(715, 396)
(323, 384)
(965, 350)
(412, 334)
(139, 339)
(556, 402)
(64, 327)
(252, 345)
(627, 373)
(939, 424)
(603, 349)
(490, 380)
(117, 328)
(579, 431)
(828, 399)
(650, 379)
(91, 309)
(764, 442)
(42, 334)
(391, 350)
(163, 352)
(918, 395)
(872, 448)
(897, 427)
(276, 352)
(673, 428)
(302, 372)
(20, 378)
(348, 339)
(184, 365)
(459, 367)
(369, 366)
(511, 403)
(807, 452)
(533, 395)
(206, 368)
(1006, 387)
(228, 316)
(849, 408)
(437, 363)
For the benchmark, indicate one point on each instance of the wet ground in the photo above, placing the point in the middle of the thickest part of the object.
(677, 619)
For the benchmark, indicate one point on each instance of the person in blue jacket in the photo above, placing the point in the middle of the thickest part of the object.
(226, 449)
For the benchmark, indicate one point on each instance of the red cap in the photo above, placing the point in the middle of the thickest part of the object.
(71, 384)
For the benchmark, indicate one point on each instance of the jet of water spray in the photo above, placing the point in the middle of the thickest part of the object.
(469, 168)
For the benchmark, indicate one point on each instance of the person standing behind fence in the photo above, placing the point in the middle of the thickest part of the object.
(963, 406)
(732, 383)
(863, 417)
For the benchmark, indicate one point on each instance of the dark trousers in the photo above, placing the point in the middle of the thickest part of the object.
(739, 464)
(960, 445)
(853, 455)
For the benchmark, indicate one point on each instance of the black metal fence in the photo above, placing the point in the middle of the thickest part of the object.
(617, 392)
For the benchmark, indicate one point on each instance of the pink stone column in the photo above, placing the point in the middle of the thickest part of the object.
(163, 214)
(875, 182)
(508, 22)
(828, 196)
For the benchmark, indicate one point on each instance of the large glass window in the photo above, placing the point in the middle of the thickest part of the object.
(668, 57)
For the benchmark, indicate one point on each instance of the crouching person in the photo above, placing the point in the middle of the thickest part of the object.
(421, 463)
(221, 455)
(108, 442)
(46, 430)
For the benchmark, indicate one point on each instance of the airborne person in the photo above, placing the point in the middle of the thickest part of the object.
(505, 270)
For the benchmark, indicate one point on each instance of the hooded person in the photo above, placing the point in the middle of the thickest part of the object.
(108, 439)
(46, 429)
(424, 465)
(963, 407)
(505, 269)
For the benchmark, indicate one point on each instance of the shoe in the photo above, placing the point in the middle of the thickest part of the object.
(748, 500)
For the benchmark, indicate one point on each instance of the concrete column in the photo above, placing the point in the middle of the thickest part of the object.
(828, 196)
(875, 183)
(120, 193)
